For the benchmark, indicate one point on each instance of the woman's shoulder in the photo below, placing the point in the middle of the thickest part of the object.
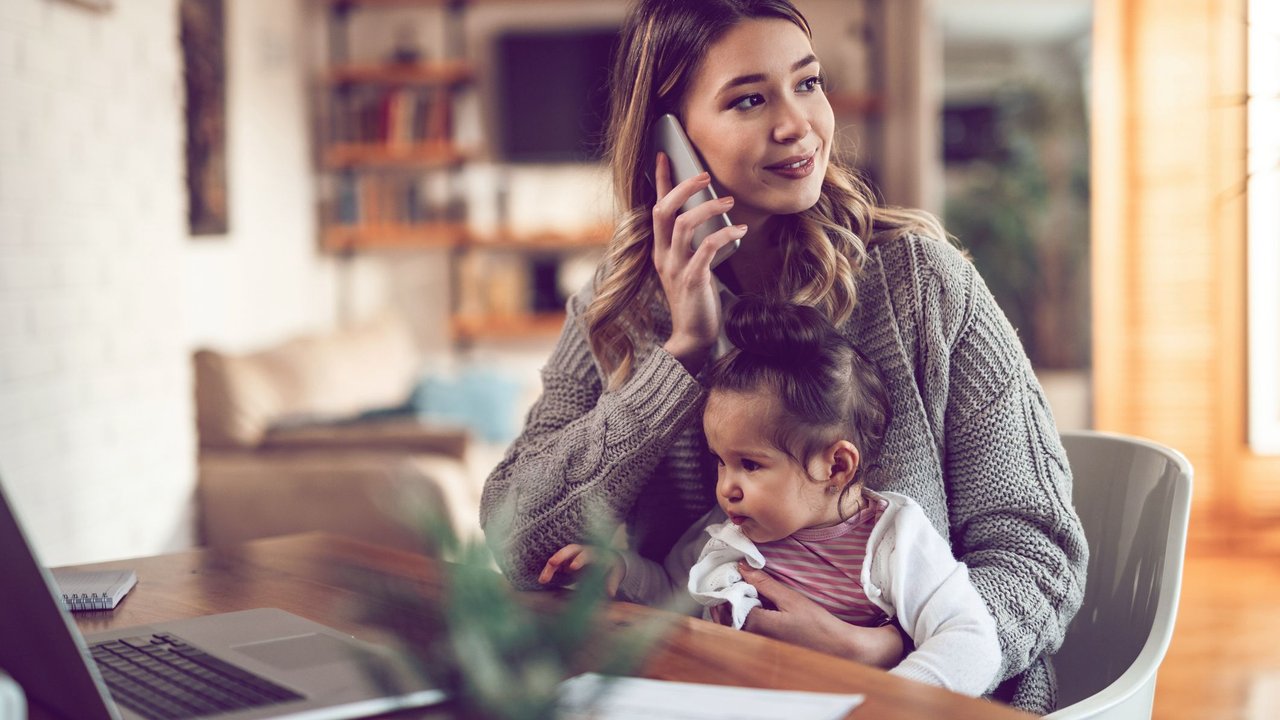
(918, 279)
(919, 257)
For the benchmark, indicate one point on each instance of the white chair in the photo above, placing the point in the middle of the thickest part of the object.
(1134, 499)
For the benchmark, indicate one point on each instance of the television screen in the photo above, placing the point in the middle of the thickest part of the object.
(553, 94)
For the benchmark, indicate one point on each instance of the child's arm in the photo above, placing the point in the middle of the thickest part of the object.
(635, 578)
(954, 633)
(570, 560)
(651, 583)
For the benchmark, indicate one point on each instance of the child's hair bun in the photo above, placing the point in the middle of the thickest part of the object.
(776, 330)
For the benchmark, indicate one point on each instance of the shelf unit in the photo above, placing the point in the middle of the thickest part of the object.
(391, 168)
(387, 127)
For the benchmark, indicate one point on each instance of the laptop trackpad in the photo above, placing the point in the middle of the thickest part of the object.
(301, 652)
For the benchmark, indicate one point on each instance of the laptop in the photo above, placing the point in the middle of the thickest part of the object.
(233, 666)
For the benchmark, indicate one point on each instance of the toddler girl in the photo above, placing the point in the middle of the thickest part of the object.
(793, 418)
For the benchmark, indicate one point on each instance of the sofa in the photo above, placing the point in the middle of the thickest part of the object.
(304, 436)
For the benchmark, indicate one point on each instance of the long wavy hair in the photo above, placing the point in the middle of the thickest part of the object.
(660, 49)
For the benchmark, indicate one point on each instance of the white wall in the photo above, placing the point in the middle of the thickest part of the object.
(264, 279)
(103, 295)
(96, 449)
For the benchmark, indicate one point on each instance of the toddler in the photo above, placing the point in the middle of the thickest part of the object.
(794, 417)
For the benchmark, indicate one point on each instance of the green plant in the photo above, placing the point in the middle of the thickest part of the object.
(1022, 214)
(497, 653)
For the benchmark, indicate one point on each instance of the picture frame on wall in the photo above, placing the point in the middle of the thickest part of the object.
(202, 27)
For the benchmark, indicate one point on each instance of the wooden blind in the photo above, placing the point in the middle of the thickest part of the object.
(1169, 238)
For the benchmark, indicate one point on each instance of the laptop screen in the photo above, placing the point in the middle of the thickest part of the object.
(42, 648)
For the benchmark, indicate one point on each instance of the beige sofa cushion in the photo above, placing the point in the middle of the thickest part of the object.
(371, 495)
(340, 374)
(403, 435)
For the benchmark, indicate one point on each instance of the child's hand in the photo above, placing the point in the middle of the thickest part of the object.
(569, 561)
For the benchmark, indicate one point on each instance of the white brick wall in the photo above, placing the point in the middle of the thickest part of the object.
(103, 295)
(96, 444)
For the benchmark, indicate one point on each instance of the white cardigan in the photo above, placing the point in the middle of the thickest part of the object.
(911, 576)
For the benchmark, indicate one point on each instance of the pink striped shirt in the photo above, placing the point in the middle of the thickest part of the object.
(825, 564)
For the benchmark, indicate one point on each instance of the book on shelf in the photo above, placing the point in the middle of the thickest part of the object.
(392, 199)
(394, 117)
(93, 589)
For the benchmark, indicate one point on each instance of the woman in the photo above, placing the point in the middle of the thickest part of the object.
(616, 430)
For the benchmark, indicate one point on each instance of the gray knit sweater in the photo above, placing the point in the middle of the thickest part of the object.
(971, 439)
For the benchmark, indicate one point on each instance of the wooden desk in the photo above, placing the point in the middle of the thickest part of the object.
(302, 574)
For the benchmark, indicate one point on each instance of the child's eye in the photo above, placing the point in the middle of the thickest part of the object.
(750, 465)
(719, 462)
(811, 84)
(746, 102)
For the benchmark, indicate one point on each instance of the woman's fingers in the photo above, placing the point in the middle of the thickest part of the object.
(662, 174)
(712, 243)
(768, 587)
(763, 620)
(666, 211)
(671, 199)
(687, 222)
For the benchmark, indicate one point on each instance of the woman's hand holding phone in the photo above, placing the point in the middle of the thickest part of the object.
(685, 273)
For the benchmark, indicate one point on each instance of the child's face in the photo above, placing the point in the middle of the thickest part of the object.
(758, 486)
(760, 120)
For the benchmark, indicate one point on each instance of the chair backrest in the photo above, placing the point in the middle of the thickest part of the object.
(1134, 499)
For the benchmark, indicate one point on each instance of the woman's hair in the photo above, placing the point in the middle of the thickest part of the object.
(662, 45)
(825, 389)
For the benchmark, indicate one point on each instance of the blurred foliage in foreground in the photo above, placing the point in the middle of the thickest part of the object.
(497, 653)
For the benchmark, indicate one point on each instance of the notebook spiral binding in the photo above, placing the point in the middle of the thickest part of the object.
(95, 601)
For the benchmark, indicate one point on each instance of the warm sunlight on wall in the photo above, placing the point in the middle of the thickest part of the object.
(1264, 226)
(1169, 254)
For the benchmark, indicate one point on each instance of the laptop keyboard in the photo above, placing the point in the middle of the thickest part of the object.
(161, 677)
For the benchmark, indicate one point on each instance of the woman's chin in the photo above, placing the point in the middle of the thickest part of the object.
(796, 203)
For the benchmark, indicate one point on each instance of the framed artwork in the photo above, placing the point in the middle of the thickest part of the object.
(205, 76)
(1264, 226)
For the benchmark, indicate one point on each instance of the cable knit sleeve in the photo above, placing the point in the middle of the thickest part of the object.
(583, 453)
(1008, 483)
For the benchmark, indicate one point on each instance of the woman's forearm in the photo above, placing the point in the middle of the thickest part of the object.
(575, 463)
(881, 647)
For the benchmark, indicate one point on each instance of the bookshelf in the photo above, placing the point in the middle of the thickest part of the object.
(388, 154)
(392, 168)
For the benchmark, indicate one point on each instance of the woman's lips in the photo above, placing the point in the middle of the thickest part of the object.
(794, 168)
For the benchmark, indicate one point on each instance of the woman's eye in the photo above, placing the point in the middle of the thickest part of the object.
(811, 84)
(747, 102)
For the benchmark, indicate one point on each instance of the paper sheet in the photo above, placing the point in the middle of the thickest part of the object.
(641, 699)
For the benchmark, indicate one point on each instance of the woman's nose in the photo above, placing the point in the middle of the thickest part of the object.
(792, 123)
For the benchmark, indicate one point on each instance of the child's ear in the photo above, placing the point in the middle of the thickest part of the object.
(843, 460)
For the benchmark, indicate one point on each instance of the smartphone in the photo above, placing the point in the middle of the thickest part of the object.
(670, 138)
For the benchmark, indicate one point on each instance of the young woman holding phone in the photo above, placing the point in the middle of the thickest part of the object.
(617, 429)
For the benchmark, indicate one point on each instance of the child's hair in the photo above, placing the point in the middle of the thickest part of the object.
(827, 389)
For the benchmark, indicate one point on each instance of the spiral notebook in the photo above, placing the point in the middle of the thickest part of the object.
(93, 589)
